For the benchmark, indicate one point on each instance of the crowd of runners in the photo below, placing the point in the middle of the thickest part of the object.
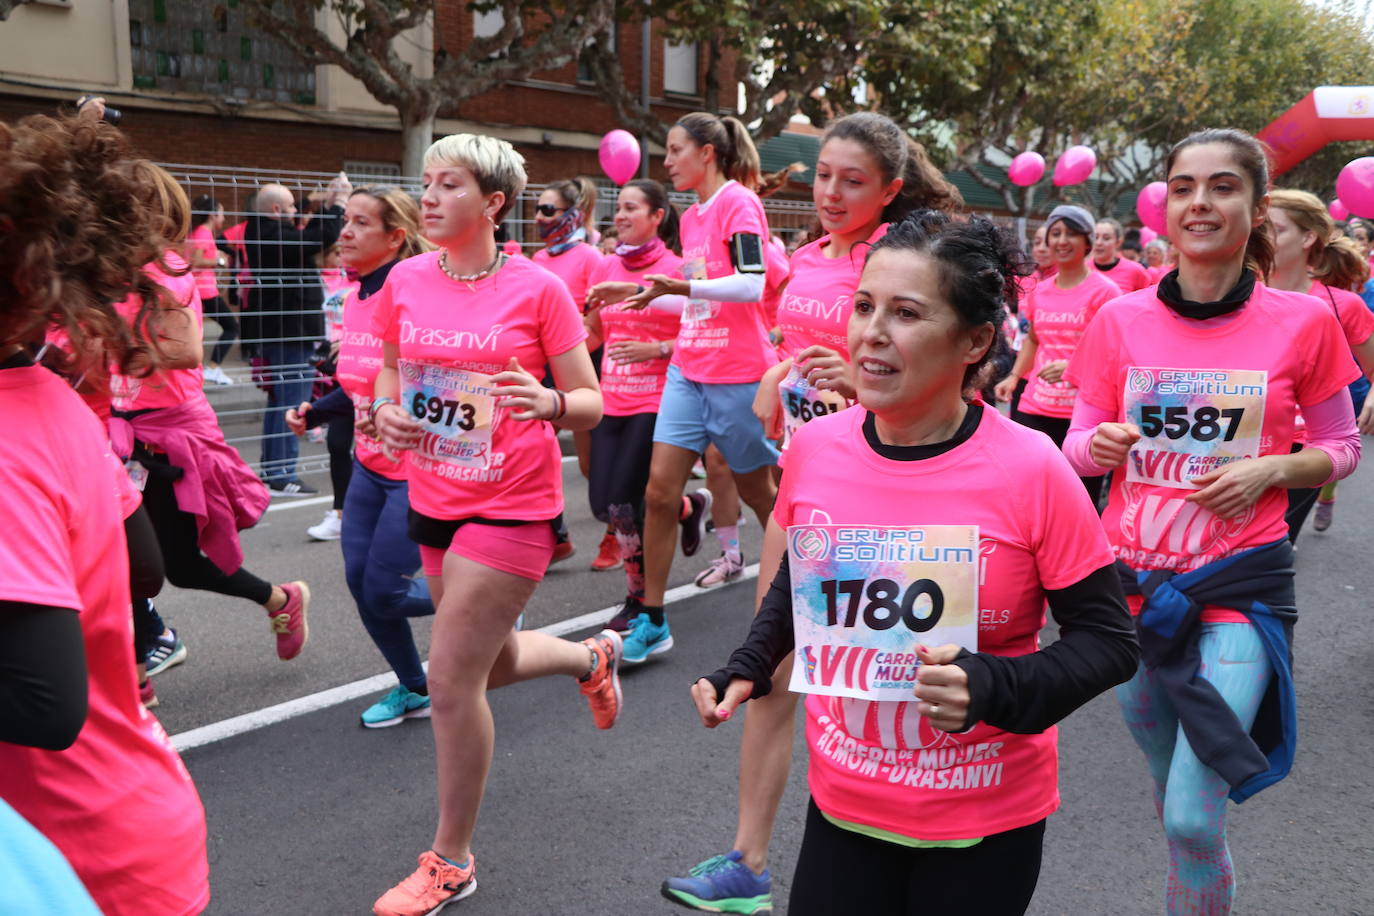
(1170, 424)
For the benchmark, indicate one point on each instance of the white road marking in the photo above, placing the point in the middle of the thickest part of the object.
(271, 715)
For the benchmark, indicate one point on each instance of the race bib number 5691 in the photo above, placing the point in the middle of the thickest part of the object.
(1192, 421)
(864, 597)
(455, 408)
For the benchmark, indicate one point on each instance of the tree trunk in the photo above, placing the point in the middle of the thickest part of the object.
(417, 133)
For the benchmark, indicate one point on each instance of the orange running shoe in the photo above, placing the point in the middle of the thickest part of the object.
(608, 554)
(602, 686)
(430, 888)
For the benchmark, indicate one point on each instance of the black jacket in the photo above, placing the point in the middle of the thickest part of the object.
(286, 279)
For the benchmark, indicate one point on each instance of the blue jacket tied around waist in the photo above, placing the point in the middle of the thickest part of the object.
(1259, 584)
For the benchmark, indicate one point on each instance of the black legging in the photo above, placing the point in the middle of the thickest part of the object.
(179, 537)
(1057, 428)
(841, 871)
(217, 308)
(338, 438)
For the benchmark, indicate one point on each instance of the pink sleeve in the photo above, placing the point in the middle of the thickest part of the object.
(1356, 319)
(745, 214)
(1078, 441)
(384, 314)
(560, 327)
(1093, 367)
(1331, 367)
(1331, 429)
(1066, 534)
(35, 553)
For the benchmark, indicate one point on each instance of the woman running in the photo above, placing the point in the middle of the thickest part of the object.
(721, 352)
(638, 343)
(1189, 392)
(1058, 310)
(934, 801)
(202, 251)
(869, 173)
(466, 336)
(381, 228)
(1310, 256)
(77, 234)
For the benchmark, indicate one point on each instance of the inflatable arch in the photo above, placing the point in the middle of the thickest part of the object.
(1328, 114)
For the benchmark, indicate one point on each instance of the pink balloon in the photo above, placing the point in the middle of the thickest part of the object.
(1074, 166)
(1338, 210)
(1355, 186)
(1149, 206)
(1147, 235)
(1026, 169)
(619, 155)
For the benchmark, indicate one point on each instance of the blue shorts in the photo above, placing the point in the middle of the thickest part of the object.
(695, 414)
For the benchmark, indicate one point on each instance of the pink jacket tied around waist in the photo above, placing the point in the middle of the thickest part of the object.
(216, 485)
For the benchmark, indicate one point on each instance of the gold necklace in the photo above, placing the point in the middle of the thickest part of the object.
(469, 279)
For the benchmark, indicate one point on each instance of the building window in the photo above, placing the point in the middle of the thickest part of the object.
(680, 68)
(584, 70)
(209, 49)
(485, 25)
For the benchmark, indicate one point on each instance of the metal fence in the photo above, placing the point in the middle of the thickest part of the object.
(242, 405)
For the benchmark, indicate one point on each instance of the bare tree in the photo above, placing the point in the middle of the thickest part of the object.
(533, 36)
(9, 6)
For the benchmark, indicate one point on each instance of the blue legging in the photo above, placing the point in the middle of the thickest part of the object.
(379, 560)
(1190, 797)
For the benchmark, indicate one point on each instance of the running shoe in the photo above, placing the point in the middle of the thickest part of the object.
(168, 651)
(289, 622)
(215, 375)
(1321, 519)
(330, 527)
(290, 488)
(624, 618)
(608, 554)
(561, 551)
(692, 524)
(430, 888)
(723, 884)
(400, 704)
(602, 686)
(723, 569)
(146, 695)
(646, 638)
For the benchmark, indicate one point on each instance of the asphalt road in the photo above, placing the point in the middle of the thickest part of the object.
(315, 815)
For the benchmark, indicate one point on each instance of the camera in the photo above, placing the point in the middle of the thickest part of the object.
(110, 115)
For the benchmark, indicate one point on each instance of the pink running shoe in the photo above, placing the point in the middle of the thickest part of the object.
(430, 888)
(289, 621)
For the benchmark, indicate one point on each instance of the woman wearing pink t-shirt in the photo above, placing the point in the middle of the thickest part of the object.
(1058, 310)
(638, 343)
(207, 221)
(79, 755)
(1310, 256)
(1128, 275)
(1189, 392)
(932, 769)
(466, 336)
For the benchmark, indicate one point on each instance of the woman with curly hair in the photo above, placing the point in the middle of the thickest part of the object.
(77, 751)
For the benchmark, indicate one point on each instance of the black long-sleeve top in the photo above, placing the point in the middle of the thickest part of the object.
(286, 282)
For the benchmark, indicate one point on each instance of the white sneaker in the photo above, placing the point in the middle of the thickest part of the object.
(723, 570)
(329, 528)
(217, 376)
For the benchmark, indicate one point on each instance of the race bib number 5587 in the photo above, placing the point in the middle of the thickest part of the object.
(1192, 421)
(864, 597)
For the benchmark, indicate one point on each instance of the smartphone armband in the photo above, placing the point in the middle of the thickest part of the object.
(746, 253)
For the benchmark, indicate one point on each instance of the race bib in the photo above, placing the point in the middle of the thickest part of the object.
(696, 309)
(138, 474)
(802, 402)
(1192, 421)
(456, 409)
(864, 597)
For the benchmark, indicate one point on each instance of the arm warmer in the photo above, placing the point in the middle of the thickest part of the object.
(734, 288)
(770, 639)
(336, 405)
(1331, 429)
(42, 675)
(145, 555)
(1096, 650)
(1078, 441)
(671, 304)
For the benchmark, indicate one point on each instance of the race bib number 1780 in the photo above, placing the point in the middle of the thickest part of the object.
(864, 597)
(1192, 421)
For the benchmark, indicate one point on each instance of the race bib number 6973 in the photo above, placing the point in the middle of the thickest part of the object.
(455, 409)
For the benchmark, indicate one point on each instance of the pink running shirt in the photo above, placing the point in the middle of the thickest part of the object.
(64, 547)
(1292, 339)
(574, 267)
(722, 342)
(819, 296)
(879, 763)
(1058, 317)
(522, 311)
(360, 359)
(1128, 275)
(1357, 321)
(170, 387)
(631, 388)
(202, 239)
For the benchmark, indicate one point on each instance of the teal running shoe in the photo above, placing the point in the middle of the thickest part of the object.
(646, 638)
(394, 708)
(723, 884)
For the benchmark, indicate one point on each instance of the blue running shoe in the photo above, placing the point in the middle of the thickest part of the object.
(394, 708)
(646, 638)
(723, 884)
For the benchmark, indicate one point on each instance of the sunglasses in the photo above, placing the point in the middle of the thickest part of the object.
(548, 209)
